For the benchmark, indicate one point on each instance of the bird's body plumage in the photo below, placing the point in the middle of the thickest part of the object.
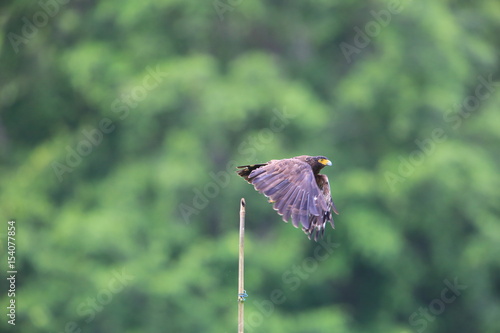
(296, 189)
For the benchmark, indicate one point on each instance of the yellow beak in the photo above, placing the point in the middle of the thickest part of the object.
(324, 161)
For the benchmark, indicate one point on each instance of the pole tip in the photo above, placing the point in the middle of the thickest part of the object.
(243, 202)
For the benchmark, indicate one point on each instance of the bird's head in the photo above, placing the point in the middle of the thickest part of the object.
(317, 162)
(323, 160)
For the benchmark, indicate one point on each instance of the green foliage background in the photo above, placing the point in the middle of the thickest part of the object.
(393, 93)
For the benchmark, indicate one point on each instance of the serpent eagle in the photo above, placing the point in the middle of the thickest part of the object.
(296, 189)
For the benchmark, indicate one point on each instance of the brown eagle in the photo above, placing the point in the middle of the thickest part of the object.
(296, 189)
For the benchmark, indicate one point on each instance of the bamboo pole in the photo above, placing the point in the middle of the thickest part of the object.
(241, 288)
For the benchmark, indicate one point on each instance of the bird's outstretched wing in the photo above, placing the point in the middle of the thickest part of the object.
(293, 189)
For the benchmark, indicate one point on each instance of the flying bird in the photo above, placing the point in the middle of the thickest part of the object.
(296, 189)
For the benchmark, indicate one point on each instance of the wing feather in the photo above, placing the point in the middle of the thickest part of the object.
(280, 204)
(296, 209)
(296, 192)
(304, 216)
(284, 202)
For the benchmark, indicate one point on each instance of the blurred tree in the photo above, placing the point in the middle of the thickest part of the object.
(121, 124)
